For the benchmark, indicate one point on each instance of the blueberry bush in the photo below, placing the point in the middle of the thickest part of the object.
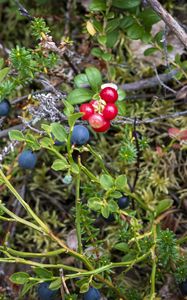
(93, 151)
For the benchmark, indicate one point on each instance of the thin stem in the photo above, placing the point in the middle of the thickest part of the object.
(99, 158)
(24, 204)
(153, 273)
(78, 211)
(18, 219)
(110, 266)
(30, 254)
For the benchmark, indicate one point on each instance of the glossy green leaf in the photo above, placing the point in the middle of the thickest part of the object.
(125, 3)
(73, 118)
(81, 81)
(94, 78)
(55, 284)
(16, 135)
(60, 164)
(97, 5)
(79, 96)
(19, 277)
(59, 132)
(135, 31)
(3, 73)
(106, 181)
(163, 205)
(150, 51)
(42, 272)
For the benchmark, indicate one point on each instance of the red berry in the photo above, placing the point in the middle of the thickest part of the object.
(87, 109)
(96, 120)
(110, 111)
(109, 94)
(94, 104)
(104, 128)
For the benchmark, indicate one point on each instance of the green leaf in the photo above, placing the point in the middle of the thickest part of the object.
(135, 31)
(112, 38)
(121, 182)
(106, 181)
(125, 3)
(113, 207)
(55, 284)
(121, 108)
(163, 205)
(105, 211)
(81, 81)
(79, 96)
(94, 78)
(148, 17)
(60, 164)
(59, 132)
(73, 118)
(97, 5)
(95, 203)
(121, 95)
(150, 51)
(96, 52)
(75, 168)
(42, 272)
(84, 288)
(106, 56)
(116, 195)
(19, 277)
(32, 142)
(16, 135)
(112, 25)
(102, 39)
(27, 286)
(46, 142)
(46, 128)
(126, 22)
(4, 73)
(122, 247)
(69, 109)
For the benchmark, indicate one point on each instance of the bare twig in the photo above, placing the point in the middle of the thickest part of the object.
(23, 11)
(149, 82)
(124, 120)
(162, 83)
(169, 20)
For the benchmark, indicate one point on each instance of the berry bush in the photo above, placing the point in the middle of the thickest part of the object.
(93, 150)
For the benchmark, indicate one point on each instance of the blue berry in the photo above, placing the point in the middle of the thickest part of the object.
(45, 293)
(92, 294)
(110, 218)
(80, 135)
(123, 202)
(4, 108)
(183, 288)
(27, 159)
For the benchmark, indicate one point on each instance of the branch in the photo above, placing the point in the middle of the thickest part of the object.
(170, 21)
(124, 120)
(149, 82)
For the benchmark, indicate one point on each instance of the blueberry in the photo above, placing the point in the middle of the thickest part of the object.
(80, 135)
(45, 293)
(27, 159)
(183, 288)
(123, 202)
(92, 294)
(4, 108)
(110, 218)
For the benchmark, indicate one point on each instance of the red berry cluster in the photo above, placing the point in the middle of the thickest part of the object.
(100, 112)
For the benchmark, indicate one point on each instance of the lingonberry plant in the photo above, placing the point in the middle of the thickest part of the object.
(77, 149)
